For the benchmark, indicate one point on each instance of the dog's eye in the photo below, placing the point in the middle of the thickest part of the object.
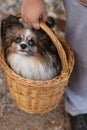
(31, 42)
(18, 40)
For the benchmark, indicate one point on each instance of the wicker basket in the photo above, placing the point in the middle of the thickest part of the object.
(41, 96)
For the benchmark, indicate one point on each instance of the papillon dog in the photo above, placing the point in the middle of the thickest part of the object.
(29, 52)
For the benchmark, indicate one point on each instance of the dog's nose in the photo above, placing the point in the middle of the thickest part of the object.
(23, 46)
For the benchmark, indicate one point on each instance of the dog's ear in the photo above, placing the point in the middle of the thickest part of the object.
(8, 24)
(50, 22)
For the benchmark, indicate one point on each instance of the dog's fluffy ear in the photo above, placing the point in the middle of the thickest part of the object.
(8, 24)
(50, 22)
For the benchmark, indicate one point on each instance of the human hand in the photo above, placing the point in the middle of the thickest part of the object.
(32, 11)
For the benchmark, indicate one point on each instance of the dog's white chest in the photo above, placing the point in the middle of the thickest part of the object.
(30, 67)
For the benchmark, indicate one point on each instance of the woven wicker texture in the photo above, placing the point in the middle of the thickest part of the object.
(41, 96)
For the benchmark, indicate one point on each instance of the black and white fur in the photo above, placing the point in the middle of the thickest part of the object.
(30, 53)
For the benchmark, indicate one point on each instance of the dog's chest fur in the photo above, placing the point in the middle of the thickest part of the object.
(31, 67)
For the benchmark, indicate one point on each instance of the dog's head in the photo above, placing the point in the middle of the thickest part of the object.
(34, 44)
(16, 38)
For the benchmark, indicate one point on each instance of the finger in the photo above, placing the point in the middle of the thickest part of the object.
(34, 22)
(44, 17)
(26, 20)
(36, 25)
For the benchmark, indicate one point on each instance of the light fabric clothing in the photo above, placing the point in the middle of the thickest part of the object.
(83, 2)
(76, 34)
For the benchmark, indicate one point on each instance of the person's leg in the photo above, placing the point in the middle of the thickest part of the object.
(76, 34)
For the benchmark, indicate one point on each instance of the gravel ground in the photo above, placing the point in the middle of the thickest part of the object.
(11, 117)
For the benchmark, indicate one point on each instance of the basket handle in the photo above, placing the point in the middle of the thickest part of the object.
(56, 42)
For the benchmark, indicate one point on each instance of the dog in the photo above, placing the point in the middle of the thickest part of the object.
(29, 52)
